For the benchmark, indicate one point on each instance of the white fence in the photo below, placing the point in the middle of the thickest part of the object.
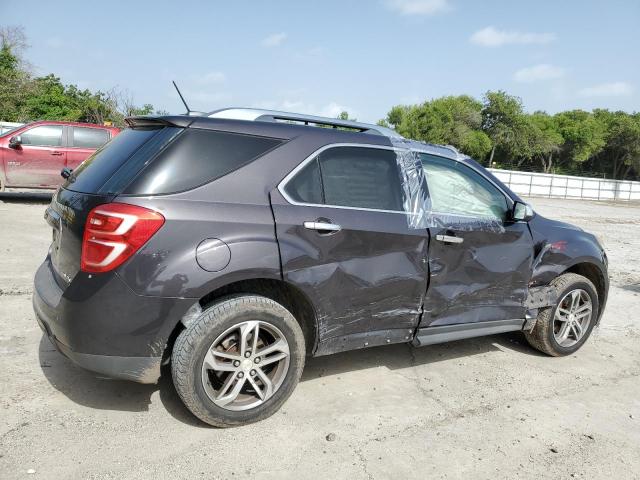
(565, 186)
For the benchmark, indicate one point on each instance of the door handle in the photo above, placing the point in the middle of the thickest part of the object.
(57, 154)
(322, 226)
(449, 239)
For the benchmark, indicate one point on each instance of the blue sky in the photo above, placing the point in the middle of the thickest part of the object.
(325, 56)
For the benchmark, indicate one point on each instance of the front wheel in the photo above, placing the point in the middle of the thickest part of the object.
(563, 328)
(239, 361)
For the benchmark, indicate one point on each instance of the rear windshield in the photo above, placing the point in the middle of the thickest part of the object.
(163, 160)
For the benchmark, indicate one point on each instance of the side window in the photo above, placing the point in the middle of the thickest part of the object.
(43, 136)
(361, 177)
(89, 137)
(197, 157)
(306, 186)
(456, 189)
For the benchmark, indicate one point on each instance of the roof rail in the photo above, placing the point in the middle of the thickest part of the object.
(255, 114)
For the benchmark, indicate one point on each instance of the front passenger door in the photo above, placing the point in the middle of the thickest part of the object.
(480, 262)
(37, 161)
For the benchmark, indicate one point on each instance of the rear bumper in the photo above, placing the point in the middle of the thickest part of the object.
(136, 369)
(101, 325)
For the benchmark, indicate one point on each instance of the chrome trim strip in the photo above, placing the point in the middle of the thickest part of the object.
(449, 239)
(329, 227)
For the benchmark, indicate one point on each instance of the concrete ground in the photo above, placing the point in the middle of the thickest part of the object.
(482, 408)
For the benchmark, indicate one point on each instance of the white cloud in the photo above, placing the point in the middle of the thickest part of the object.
(334, 109)
(612, 89)
(210, 78)
(542, 71)
(418, 7)
(492, 37)
(331, 109)
(274, 40)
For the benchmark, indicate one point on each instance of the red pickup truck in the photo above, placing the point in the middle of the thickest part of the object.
(32, 156)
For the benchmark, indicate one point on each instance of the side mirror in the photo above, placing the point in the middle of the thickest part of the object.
(522, 212)
(66, 172)
(15, 142)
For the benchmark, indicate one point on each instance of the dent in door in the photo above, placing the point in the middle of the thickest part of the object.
(463, 286)
(390, 269)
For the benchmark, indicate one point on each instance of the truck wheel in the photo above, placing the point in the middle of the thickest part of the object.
(562, 329)
(239, 361)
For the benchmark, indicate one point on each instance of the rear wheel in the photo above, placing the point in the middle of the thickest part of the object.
(239, 361)
(562, 329)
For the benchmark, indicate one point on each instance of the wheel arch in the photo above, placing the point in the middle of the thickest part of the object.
(286, 294)
(597, 276)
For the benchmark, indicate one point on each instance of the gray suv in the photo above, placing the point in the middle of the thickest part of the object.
(232, 245)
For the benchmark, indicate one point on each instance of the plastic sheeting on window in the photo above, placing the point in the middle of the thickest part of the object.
(414, 185)
(417, 203)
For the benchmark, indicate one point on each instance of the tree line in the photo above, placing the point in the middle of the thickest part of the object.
(498, 132)
(494, 130)
(25, 96)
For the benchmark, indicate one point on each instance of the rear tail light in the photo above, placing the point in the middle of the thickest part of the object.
(114, 232)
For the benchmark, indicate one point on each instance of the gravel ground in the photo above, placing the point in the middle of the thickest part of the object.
(482, 408)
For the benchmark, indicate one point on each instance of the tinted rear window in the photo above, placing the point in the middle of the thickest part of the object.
(96, 170)
(197, 157)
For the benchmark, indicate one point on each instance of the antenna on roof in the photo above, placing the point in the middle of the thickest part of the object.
(182, 98)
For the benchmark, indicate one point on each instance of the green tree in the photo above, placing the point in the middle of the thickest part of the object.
(14, 76)
(452, 120)
(50, 100)
(584, 135)
(504, 121)
(621, 150)
(344, 115)
(544, 139)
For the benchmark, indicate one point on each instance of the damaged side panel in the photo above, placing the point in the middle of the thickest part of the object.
(369, 277)
(481, 279)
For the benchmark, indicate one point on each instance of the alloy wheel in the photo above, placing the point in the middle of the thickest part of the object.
(572, 318)
(245, 365)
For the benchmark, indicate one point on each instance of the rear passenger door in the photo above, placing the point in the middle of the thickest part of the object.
(83, 141)
(345, 241)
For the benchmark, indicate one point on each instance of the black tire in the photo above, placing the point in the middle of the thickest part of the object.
(541, 337)
(193, 343)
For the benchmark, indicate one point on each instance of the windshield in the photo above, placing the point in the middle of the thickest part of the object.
(7, 130)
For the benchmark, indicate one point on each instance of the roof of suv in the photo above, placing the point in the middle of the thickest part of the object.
(254, 114)
(288, 125)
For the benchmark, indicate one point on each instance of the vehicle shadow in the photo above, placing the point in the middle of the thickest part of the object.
(95, 391)
(102, 393)
(26, 197)
(403, 355)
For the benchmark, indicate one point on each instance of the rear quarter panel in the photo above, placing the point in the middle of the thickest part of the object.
(166, 266)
